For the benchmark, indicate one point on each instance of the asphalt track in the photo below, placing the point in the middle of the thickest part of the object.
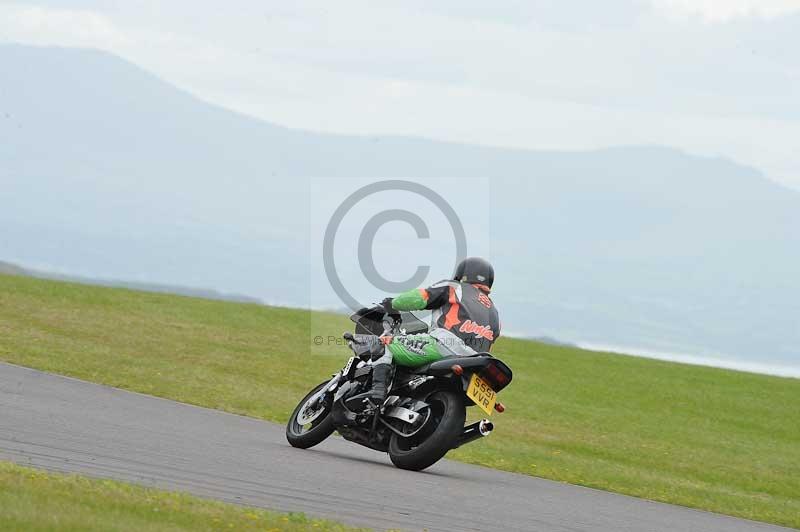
(65, 424)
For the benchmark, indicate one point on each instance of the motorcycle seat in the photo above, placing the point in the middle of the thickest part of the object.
(445, 366)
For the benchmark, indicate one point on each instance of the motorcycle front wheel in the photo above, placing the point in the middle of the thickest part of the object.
(439, 435)
(309, 425)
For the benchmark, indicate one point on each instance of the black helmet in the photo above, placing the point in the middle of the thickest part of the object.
(474, 270)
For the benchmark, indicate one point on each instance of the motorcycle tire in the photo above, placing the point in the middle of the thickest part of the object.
(430, 445)
(314, 432)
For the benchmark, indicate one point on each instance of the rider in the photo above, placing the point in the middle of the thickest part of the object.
(464, 322)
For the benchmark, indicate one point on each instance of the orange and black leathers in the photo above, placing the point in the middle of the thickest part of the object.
(464, 309)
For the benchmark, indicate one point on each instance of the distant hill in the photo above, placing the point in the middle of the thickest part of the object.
(12, 269)
(110, 172)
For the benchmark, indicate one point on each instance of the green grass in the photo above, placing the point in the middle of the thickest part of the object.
(708, 438)
(35, 500)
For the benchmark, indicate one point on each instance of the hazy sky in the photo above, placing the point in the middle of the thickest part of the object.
(715, 77)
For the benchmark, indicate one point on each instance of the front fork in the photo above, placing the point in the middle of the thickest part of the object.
(328, 388)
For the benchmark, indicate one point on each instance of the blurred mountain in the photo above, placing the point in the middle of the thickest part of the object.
(12, 269)
(109, 172)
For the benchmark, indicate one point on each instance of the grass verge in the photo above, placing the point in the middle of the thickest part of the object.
(708, 438)
(36, 500)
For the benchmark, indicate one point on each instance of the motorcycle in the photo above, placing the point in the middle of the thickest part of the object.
(423, 416)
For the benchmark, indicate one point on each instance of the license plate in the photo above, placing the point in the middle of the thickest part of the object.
(481, 394)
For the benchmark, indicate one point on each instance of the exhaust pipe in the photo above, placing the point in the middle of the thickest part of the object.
(475, 431)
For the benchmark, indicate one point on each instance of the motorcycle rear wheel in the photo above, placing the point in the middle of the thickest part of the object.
(427, 447)
(316, 430)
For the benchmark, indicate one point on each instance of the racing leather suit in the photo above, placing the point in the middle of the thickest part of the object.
(464, 322)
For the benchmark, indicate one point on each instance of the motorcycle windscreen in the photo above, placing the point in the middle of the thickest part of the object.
(370, 321)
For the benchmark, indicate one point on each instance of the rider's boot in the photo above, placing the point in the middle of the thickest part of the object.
(381, 374)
